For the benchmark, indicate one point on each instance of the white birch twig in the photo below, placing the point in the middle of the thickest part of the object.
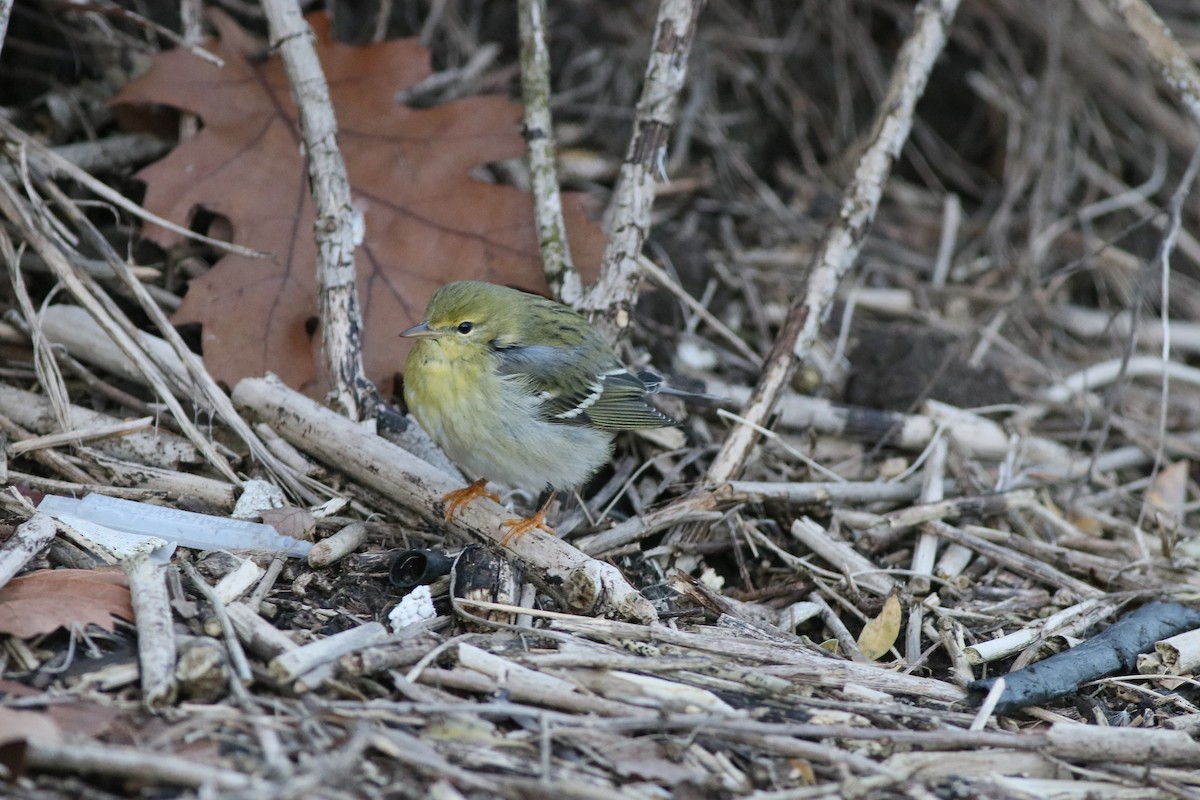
(341, 317)
(539, 138)
(610, 300)
(1178, 70)
(156, 632)
(29, 539)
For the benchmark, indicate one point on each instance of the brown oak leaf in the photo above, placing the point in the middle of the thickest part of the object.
(49, 599)
(17, 728)
(426, 220)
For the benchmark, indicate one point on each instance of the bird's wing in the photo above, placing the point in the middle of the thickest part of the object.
(573, 393)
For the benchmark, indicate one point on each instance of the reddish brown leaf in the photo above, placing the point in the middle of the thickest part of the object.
(426, 221)
(84, 720)
(15, 689)
(49, 599)
(21, 725)
(17, 728)
(79, 718)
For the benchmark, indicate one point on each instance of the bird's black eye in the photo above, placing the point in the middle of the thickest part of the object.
(465, 327)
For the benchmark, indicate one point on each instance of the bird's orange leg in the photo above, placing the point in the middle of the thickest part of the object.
(459, 499)
(520, 527)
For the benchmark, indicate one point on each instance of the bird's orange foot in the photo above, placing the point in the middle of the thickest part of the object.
(519, 527)
(459, 499)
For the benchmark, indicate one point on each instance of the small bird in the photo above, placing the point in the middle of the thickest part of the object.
(521, 390)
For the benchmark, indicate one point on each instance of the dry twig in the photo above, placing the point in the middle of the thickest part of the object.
(841, 244)
(341, 317)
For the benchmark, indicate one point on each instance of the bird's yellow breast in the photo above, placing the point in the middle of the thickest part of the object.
(441, 382)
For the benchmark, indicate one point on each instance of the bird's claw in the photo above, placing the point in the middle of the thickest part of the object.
(459, 499)
(520, 527)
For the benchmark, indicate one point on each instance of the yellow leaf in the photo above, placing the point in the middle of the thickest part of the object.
(803, 771)
(1167, 494)
(880, 634)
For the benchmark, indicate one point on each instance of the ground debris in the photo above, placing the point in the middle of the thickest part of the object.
(978, 467)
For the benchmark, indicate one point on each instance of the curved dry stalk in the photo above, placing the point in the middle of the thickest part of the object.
(100, 306)
(194, 369)
(842, 243)
(54, 164)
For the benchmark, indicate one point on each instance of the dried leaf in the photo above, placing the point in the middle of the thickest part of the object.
(803, 771)
(78, 719)
(17, 728)
(426, 221)
(880, 634)
(1087, 524)
(49, 599)
(299, 523)
(1166, 495)
(81, 720)
(650, 761)
(21, 725)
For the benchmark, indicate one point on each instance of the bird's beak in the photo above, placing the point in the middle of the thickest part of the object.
(422, 331)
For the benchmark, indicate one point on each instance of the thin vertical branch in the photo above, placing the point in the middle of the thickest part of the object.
(610, 301)
(341, 316)
(5, 12)
(1166, 248)
(840, 247)
(1178, 70)
(191, 25)
(539, 137)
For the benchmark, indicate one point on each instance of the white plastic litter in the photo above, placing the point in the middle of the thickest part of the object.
(417, 606)
(119, 544)
(257, 495)
(330, 507)
(201, 531)
(696, 357)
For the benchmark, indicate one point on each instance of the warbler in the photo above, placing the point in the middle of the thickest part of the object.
(520, 390)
